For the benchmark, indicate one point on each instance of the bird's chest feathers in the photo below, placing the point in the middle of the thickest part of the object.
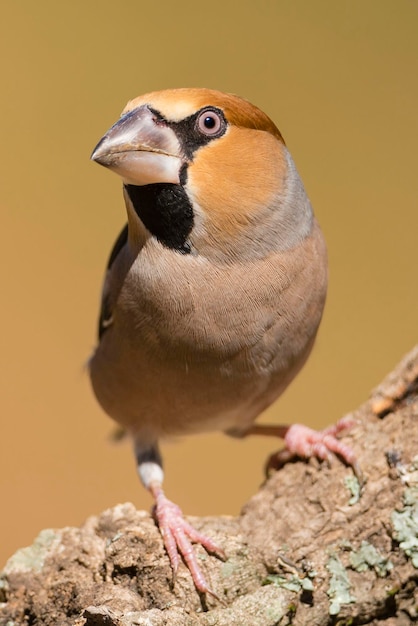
(183, 307)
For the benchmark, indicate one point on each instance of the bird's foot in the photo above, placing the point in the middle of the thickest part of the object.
(305, 442)
(178, 536)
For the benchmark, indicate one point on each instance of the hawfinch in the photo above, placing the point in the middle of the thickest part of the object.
(214, 289)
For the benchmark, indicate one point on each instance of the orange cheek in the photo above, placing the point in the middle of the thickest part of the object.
(235, 178)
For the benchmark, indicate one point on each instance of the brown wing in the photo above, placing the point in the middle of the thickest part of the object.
(105, 317)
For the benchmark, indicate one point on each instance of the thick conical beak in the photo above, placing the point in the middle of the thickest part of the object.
(141, 148)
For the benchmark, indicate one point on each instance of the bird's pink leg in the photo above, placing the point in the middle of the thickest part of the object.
(178, 534)
(305, 442)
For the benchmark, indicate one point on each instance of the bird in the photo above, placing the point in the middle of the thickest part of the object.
(214, 289)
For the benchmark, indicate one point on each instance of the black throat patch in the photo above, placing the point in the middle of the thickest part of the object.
(166, 211)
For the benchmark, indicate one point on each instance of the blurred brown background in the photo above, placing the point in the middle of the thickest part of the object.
(339, 79)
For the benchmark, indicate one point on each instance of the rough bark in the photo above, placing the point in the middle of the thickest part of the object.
(307, 548)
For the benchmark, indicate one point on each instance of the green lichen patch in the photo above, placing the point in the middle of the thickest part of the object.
(405, 521)
(339, 585)
(353, 485)
(291, 583)
(368, 557)
(33, 557)
(405, 524)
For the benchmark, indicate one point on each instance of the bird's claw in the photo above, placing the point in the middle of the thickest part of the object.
(178, 536)
(305, 442)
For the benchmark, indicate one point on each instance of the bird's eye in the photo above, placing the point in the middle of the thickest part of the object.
(209, 123)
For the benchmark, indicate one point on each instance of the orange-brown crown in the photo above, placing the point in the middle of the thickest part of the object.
(177, 104)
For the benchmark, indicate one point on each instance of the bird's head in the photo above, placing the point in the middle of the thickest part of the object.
(207, 172)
